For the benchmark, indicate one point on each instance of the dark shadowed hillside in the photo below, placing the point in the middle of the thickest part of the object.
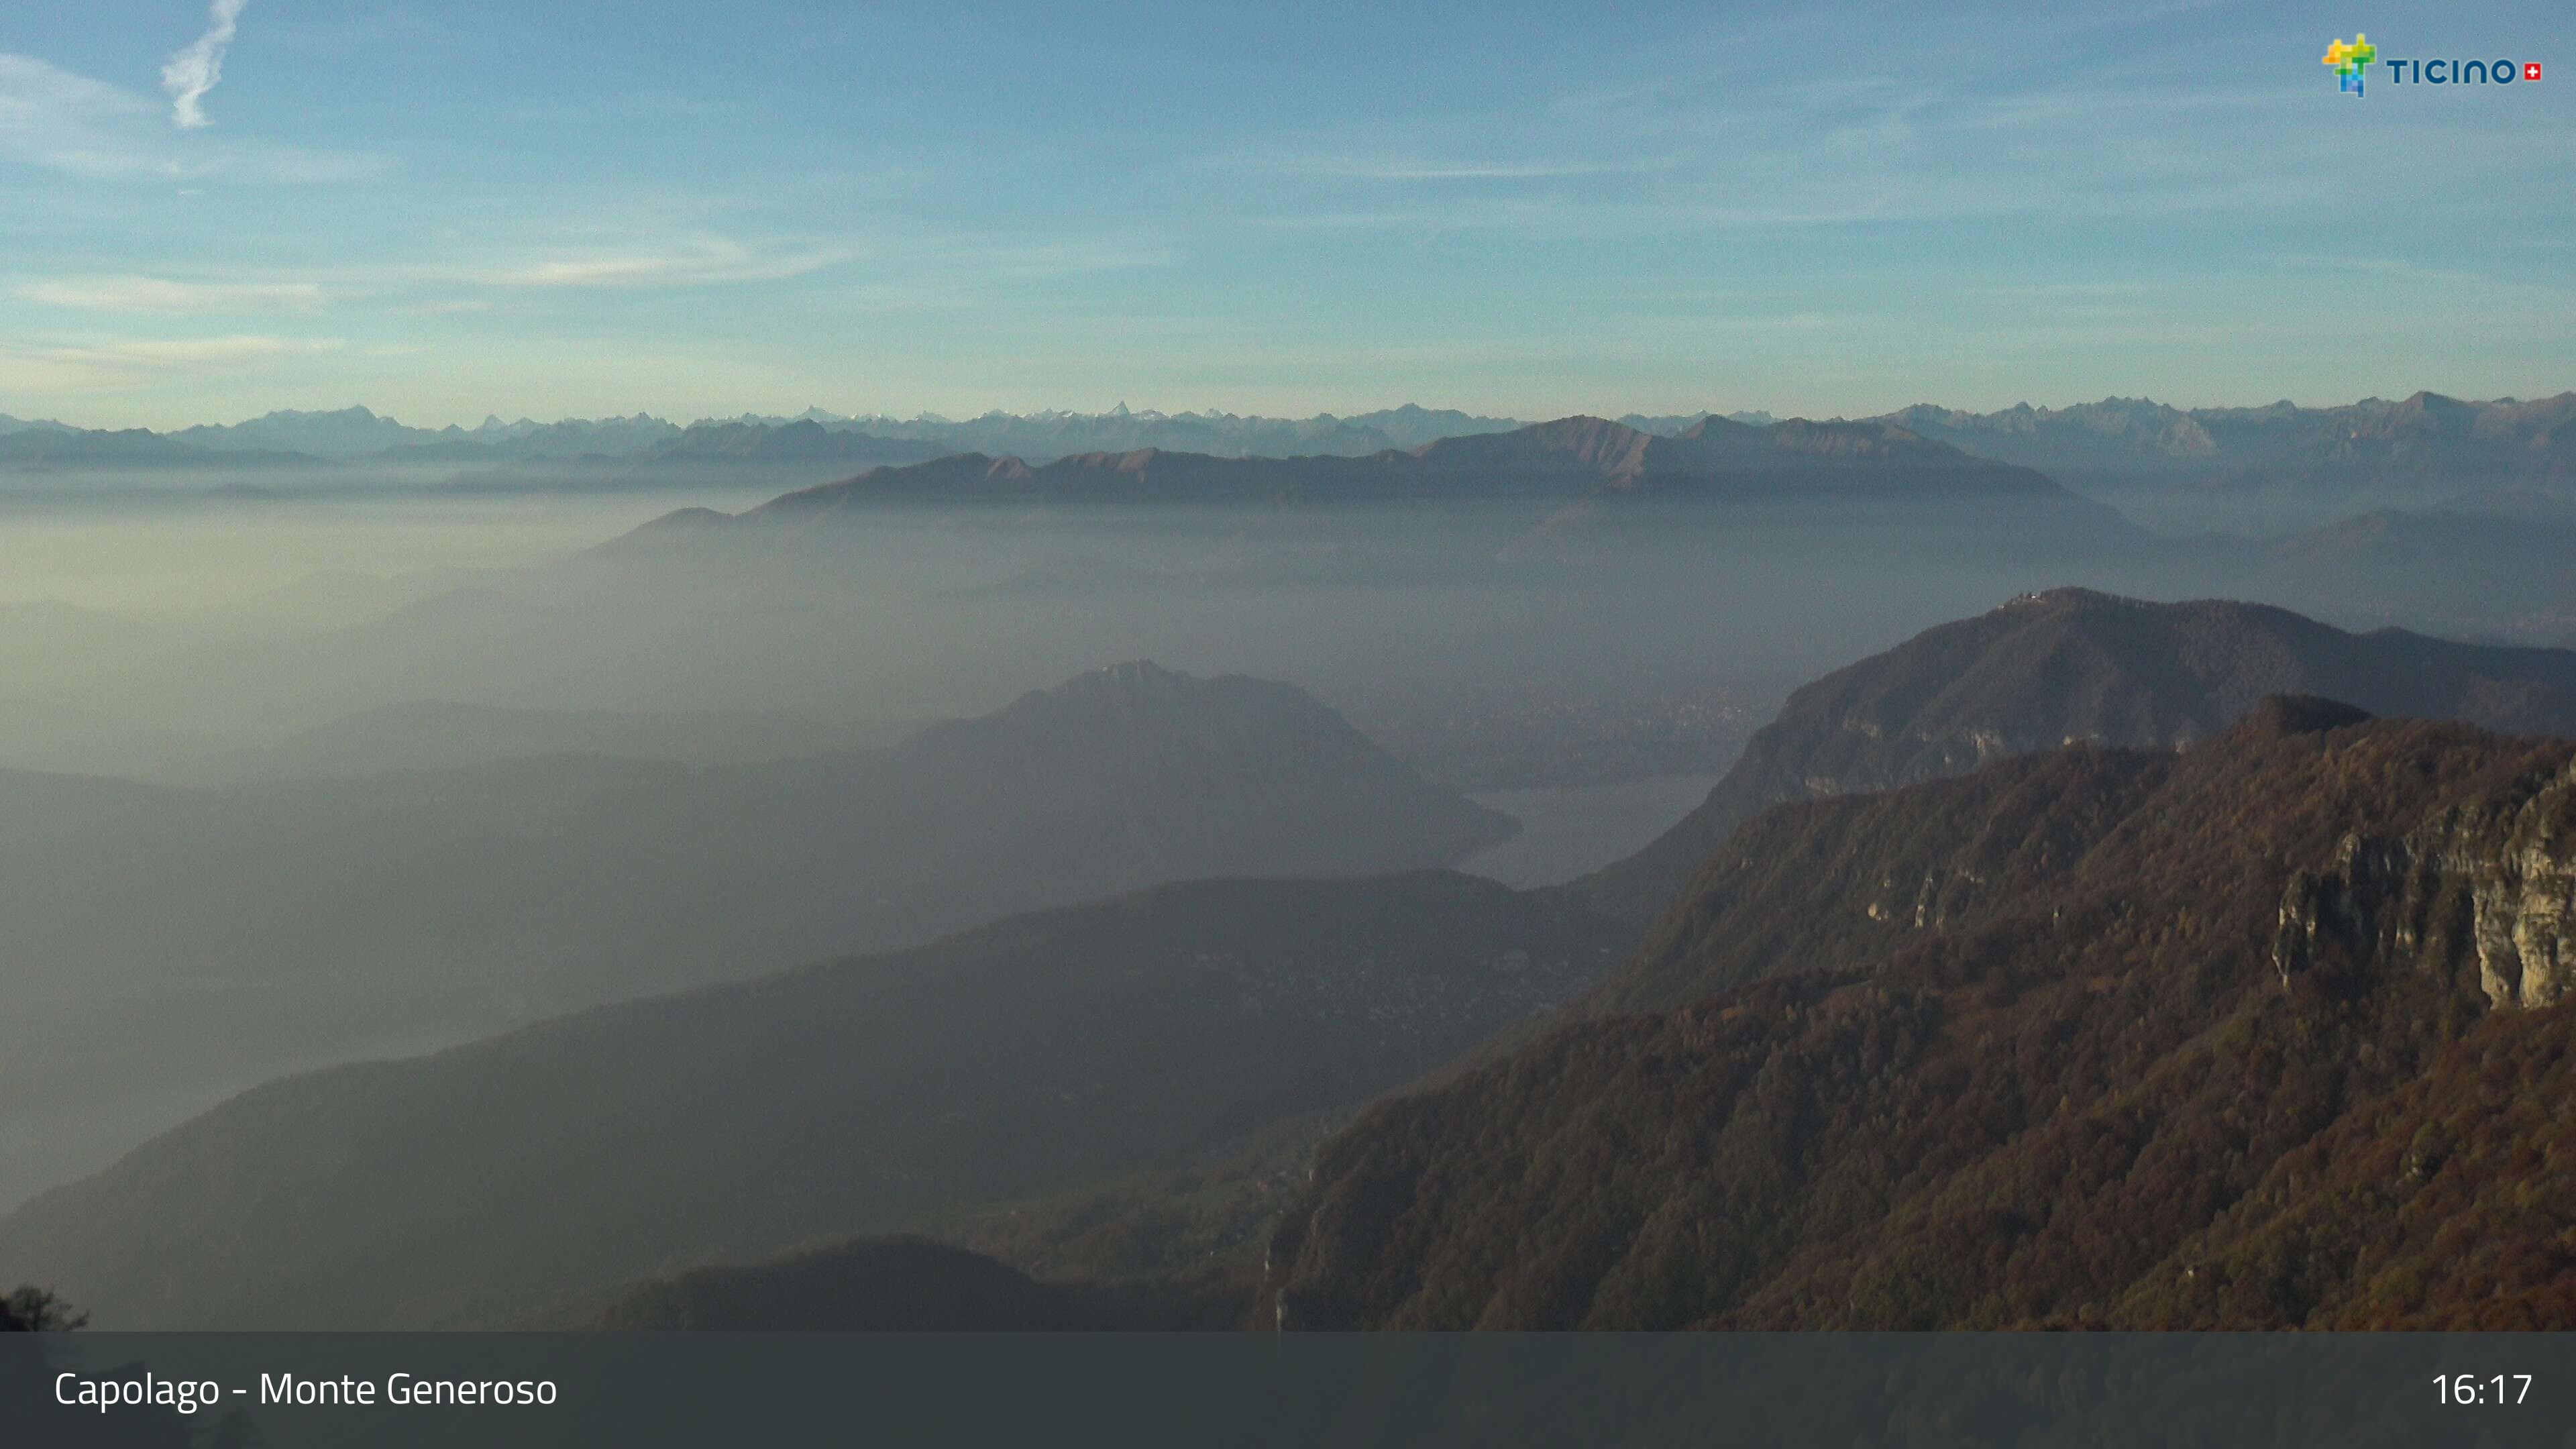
(869, 1285)
(2068, 665)
(909, 1285)
(2264, 1033)
(213, 937)
(860, 1096)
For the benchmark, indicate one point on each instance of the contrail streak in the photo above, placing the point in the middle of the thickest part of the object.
(192, 72)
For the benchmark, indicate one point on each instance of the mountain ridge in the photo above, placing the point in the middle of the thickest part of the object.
(860, 1095)
(2370, 452)
(2096, 1038)
(1568, 461)
(205, 937)
(2422, 444)
(2046, 669)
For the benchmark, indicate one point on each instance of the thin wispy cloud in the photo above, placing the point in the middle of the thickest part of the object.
(198, 351)
(706, 262)
(77, 126)
(1856, 150)
(1041, 260)
(53, 118)
(448, 287)
(193, 71)
(1368, 169)
(960, 274)
(108, 364)
(2379, 266)
(165, 294)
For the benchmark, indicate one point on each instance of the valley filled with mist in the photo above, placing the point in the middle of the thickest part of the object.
(843, 827)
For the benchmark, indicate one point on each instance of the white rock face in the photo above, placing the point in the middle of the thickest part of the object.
(2526, 925)
(2492, 880)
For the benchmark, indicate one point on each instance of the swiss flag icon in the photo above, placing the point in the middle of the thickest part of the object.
(2531, 70)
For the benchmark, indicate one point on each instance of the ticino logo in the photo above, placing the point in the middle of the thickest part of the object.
(2351, 61)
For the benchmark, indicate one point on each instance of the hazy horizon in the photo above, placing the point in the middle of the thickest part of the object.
(1612, 410)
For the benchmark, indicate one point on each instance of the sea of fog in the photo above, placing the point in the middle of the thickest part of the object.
(178, 639)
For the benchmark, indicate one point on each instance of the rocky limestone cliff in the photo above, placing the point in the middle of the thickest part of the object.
(2492, 878)
(2269, 1032)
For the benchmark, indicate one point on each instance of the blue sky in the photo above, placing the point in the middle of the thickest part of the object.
(444, 210)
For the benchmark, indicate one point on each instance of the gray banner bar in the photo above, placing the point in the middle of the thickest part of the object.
(1834, 1391)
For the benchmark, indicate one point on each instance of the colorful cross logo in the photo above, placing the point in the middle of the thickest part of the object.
(2349, 61)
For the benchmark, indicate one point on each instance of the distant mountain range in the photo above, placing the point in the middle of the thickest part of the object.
(357, 432)
(782, 442)
(526, 441)
(345, 435)
(358, 436)
(2426, 445)
(518, 1175)
(1045, 436)
(2262, 1034)
(50, 449)
(1569, 461)
(358, 439)
(2074, 665)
